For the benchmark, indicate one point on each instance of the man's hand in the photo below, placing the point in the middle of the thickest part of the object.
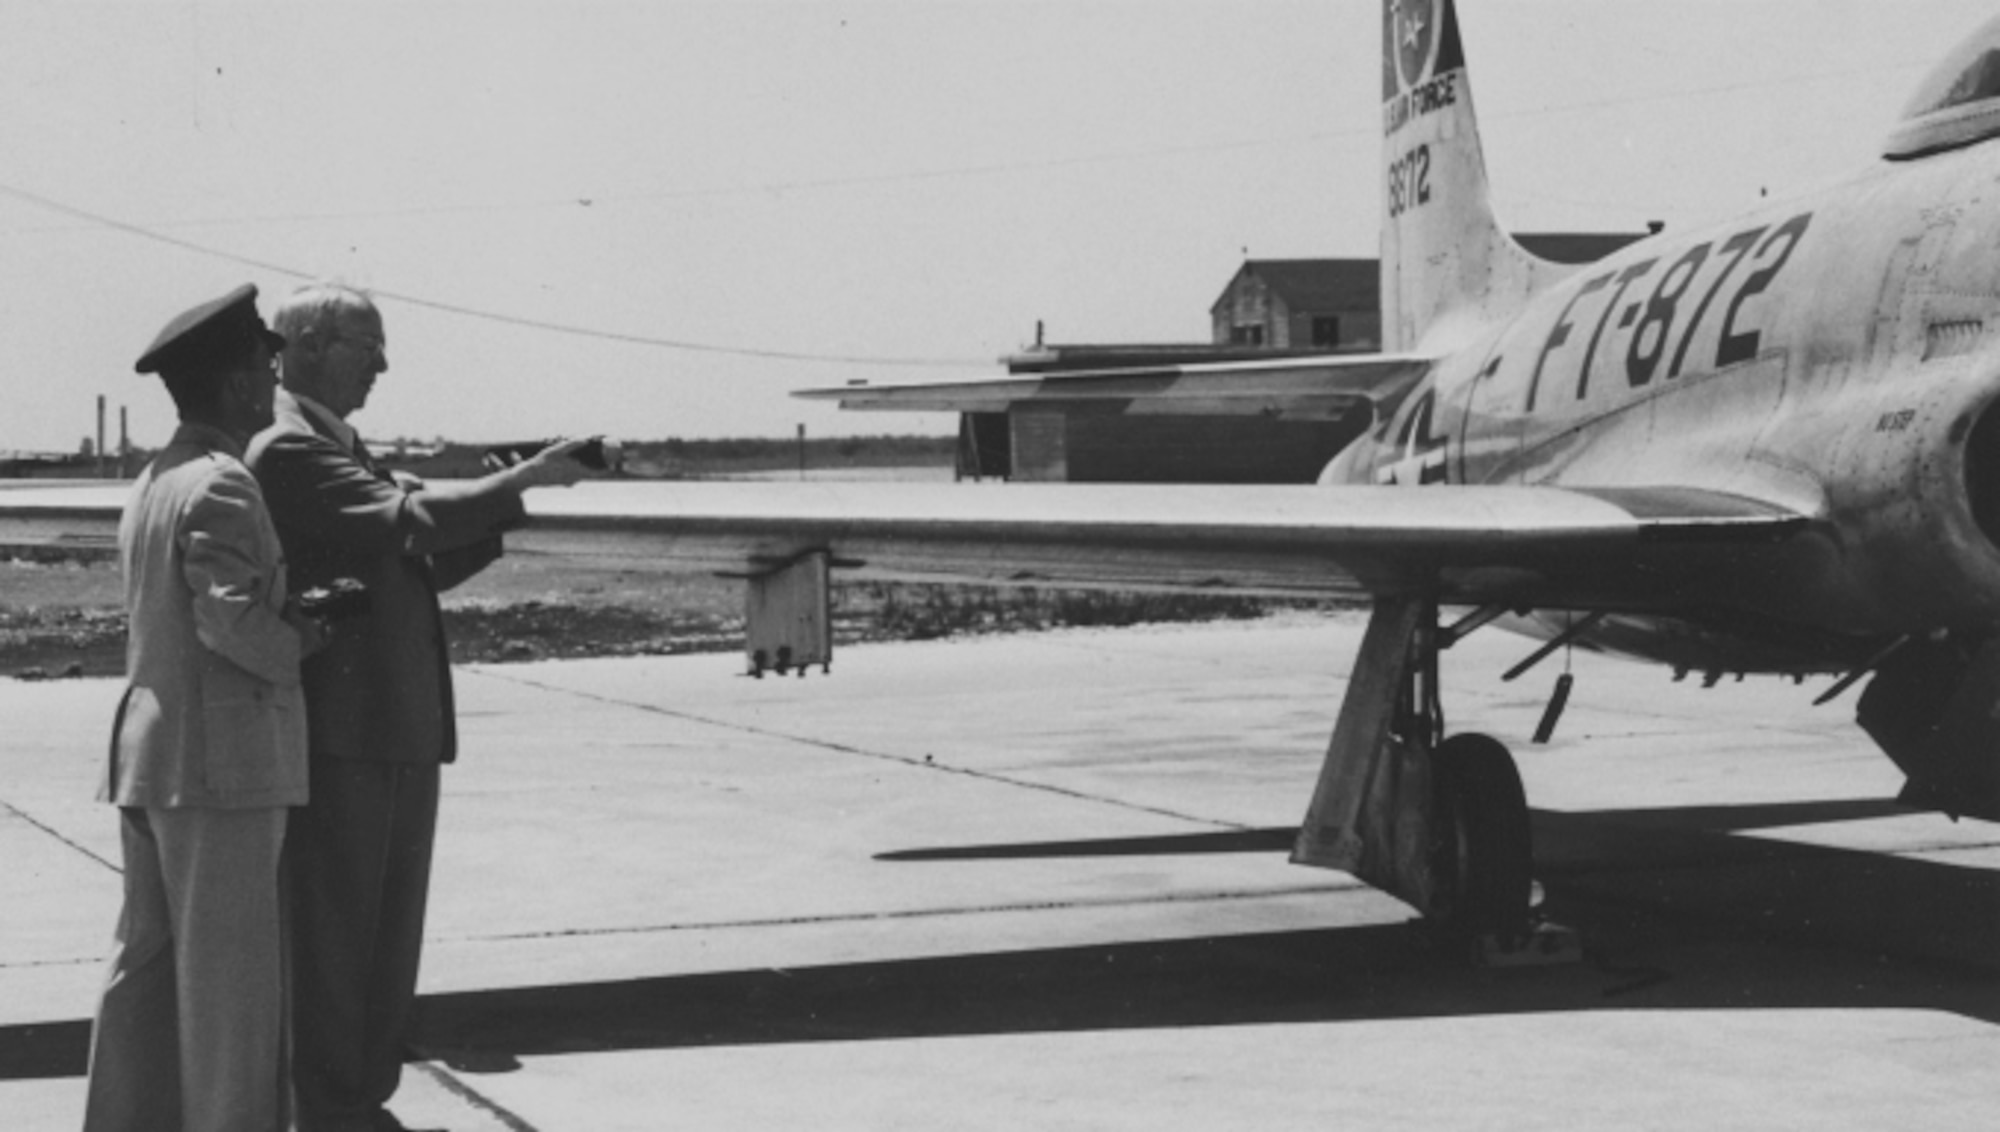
(554, 466)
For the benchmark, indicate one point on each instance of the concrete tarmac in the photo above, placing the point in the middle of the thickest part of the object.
(1039, 882)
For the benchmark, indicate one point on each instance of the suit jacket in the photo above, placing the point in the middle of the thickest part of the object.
(381, 689)
(213, 714)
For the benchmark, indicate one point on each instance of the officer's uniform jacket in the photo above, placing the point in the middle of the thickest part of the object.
(213, 712)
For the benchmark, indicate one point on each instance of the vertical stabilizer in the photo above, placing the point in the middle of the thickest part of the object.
(1447, 267)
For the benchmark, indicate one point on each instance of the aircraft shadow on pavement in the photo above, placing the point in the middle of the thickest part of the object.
(1276, 839)
(1675, 914)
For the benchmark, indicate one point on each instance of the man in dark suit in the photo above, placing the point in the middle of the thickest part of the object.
(208, 752)
(378, 699)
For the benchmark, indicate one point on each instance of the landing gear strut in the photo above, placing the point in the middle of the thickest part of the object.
(1441, 823)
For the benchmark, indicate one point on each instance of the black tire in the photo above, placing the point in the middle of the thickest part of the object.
(1482, 851)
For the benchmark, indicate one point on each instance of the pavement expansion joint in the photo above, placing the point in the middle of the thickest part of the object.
(487, 1108)
(16, 811)
(1213, 897)
(32, 964)
(927, 762)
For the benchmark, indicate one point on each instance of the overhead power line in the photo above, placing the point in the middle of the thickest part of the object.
(552, 327)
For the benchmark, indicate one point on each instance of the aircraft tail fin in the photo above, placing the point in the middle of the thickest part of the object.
(1447, 265)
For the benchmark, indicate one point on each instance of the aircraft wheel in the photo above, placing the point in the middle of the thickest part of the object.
(1483, 852)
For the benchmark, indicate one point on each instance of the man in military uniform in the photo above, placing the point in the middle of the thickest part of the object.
(208, 751)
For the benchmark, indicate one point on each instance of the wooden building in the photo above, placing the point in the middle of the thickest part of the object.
(1319, 304)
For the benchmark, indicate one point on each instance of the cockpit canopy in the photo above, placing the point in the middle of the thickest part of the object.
(1957, 104)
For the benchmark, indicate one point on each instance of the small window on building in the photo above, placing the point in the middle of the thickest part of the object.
(1326, 330)
(1246, 335)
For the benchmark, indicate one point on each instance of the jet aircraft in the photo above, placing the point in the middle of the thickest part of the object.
(1770, 446)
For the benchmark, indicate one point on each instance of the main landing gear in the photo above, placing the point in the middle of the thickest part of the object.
(1482, 855)
(1440, 823)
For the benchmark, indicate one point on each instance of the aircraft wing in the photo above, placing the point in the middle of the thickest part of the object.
(1626, 547)
(1310, 388)
(60, 515)
(1635, 548)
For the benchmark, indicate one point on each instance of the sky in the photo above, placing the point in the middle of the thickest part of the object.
(657, 219)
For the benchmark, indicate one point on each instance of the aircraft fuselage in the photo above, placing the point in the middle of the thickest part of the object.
(1831, 353)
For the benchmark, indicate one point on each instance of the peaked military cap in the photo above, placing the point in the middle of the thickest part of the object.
(211, 332)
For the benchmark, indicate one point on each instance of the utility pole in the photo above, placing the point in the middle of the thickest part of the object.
(100, 436)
